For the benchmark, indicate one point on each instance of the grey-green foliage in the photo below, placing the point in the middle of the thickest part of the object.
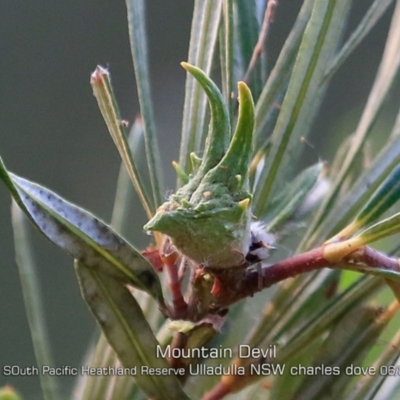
(309, 320)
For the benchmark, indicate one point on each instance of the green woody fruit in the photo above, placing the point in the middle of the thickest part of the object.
(208, 219)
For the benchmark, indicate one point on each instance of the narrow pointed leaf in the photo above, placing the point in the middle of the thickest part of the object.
(379, 272)
(103, 355)
(248, 28)
(94, 386)
(386, 195)
(362, 190)
(82, 235)
(346, 345)
(303, 95)
(279, 76)
(368, 386)
(102, 89)
(203, 39)
(381, 229)
(126, 329)
(291, 198)
(227, 53)
(373, 15)
(137, 37)
(296, 338)
(33, 303)
(383, 82)
(124, 191)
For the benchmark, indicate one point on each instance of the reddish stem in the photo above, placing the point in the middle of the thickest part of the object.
(170, 258)
(233, 289)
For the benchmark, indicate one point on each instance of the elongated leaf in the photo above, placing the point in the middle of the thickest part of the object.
(383, 82)
(373, 15)
(103, 355)
(248, 29)
(369, 385)
(128, 332)
(203, 39)
(92, 386)
(304, 93)
(102, 89)
(363, 342)
(123, 194)
(82, 235)
(33, 303)
(282, 313)
(226, 54)
(386, 195)
(279, 76)
(350, 298)
(349, 205)
(306, 330)
(288, 202)
(386, 274)
(137, 37)
(381, 229)
(346, 346)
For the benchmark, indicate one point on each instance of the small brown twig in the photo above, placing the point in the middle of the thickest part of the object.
(269, 17)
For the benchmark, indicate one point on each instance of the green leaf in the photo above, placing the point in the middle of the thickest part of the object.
(373, 15)
(368, 386)
(361, 191)
(381, 229)
(279, 76)
(386, 195)
(102, 89)
(291, 198)
(293, 338)
(248, 29)
(203, 40)
(303, 95)
(226, 52)
(33, 303)
(346, 345)
(94, 386)
(123, 194)
(383, 82)
(137, 37)
(82, 235)
(128, 332)
(386, 274)
(102, 355)
(284, 311)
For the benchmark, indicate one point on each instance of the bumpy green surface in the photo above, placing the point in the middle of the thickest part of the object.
(208, 218)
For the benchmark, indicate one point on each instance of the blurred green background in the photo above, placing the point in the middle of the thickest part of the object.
(52, 133)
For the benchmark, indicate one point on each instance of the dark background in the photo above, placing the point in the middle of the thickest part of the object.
(51, 132)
